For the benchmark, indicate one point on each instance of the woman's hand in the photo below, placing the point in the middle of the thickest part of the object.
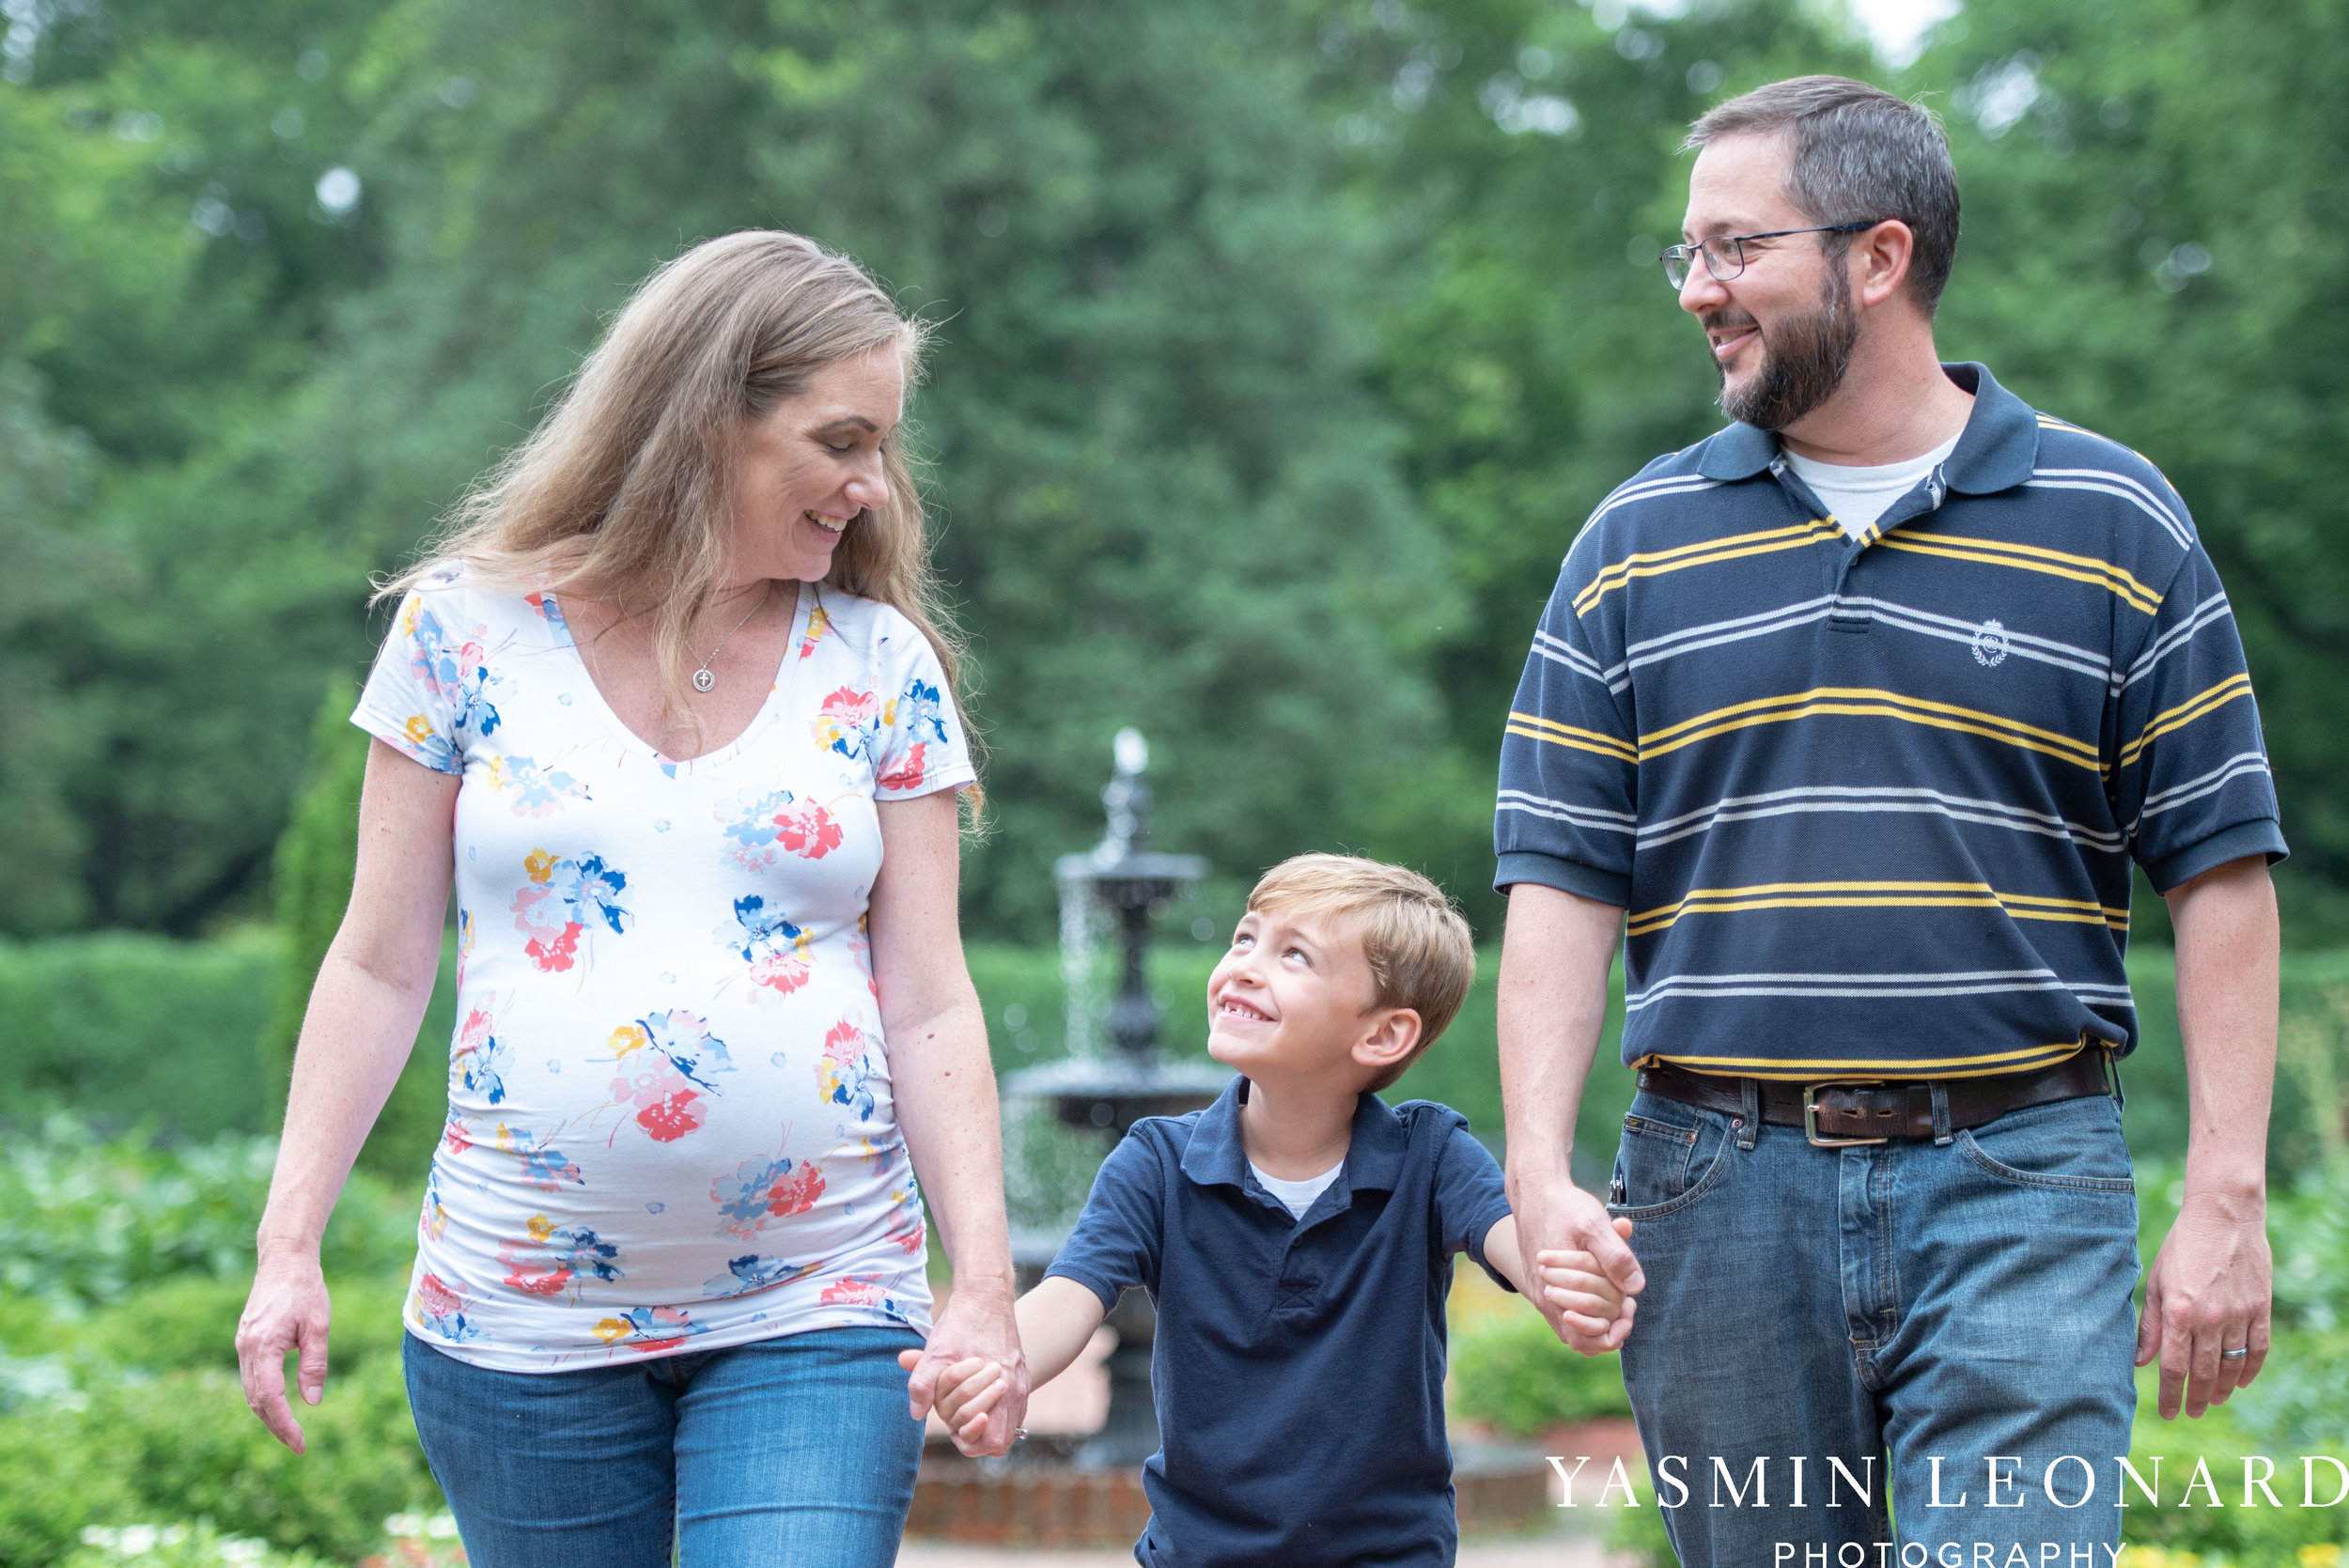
(289, 1310)
(976, 1326)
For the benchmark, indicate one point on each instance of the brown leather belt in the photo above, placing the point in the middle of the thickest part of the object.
(1835, 1112)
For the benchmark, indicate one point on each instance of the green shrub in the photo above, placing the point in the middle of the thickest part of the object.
(136, 1029)
(1509, 1370)
(84, 1220)
(1640, 1533)
(132, 1450)
(53, 1485)
(191, 1322)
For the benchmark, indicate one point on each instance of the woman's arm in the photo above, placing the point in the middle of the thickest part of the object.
(945, 1092)
(361, 1024)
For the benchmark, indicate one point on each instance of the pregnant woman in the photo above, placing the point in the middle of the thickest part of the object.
(673, 701)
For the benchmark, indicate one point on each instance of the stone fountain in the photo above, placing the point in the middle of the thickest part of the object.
(1131, 881)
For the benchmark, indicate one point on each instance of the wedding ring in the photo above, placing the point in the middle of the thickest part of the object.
(2234, 1355)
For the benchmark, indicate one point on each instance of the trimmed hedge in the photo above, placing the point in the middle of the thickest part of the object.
(137, 1028)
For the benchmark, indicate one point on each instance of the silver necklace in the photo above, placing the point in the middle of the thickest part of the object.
(703, 678)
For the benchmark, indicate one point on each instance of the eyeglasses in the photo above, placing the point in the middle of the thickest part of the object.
(1725, 254)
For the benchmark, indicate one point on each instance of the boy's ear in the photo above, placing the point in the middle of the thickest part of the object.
(1392, 1035)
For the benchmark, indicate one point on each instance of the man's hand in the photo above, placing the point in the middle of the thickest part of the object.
(977, 1325)
(2208, 1292)
(1594, 1312)
(1557, 1219)
(1552, 1005)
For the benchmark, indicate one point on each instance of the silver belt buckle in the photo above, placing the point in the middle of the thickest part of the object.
(1811, 1112)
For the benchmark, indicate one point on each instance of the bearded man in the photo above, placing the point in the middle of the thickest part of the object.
(1862, 709)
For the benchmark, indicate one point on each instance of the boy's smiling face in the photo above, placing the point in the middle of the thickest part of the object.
(1293, 999)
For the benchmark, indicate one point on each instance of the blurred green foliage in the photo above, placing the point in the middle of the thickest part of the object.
(1510, 1371)
(1282, 349)
(182, 1446)
(84, 1219)
(316, 862)
(123, 1266)
(197, 1546)
(131, 1027)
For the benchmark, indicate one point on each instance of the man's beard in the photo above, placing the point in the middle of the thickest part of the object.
(1803, 361)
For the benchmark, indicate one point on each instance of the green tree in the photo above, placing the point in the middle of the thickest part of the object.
(2154, 199)
(1282, 350)
(1162, 489)
(317, 857)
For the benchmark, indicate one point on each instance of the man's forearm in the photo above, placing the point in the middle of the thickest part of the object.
(1552, 1008)
(2228, 942)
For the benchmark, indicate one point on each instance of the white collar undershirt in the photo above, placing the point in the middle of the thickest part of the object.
(1297, 1196)
(1855, 497)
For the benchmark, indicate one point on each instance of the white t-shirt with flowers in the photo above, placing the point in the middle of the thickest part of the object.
(670, 1124)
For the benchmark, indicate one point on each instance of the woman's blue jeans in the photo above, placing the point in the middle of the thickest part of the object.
(792, 1451)
(1964, 1299)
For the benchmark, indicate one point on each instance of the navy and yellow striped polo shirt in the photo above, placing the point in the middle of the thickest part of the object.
(1871, 804)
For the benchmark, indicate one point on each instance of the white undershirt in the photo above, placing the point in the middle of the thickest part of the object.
(1297, 1196)
(1855, 497)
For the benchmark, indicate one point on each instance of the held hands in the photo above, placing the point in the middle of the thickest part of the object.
(976, 1334)
(1555, 1217)
(1590, 1311)
(964, 1394)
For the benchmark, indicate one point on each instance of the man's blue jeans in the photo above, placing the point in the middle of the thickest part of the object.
(792, 1451)
(1965, 1300)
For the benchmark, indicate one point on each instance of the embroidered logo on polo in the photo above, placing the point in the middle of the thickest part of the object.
(1990, 644)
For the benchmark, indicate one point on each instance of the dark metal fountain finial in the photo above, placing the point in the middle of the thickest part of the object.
(1125, 876)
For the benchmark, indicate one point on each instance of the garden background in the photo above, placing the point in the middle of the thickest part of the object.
(1280, 348)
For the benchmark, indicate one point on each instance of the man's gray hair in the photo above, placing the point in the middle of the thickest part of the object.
(1860, 155)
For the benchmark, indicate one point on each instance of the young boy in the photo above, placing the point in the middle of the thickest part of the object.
(1297, 1237)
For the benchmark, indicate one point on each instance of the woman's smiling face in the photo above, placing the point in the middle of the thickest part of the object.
(804, 470)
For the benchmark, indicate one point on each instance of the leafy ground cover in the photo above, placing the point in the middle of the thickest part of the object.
(126, 1266)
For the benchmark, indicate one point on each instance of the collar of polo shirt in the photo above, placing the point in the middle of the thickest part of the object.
(1373, 1155)
(1995, 451)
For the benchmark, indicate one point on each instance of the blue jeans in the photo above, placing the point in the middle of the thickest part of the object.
(792, 1451)
(1963, 1299)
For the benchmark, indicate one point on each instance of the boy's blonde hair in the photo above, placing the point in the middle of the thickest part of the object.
(1419, 951)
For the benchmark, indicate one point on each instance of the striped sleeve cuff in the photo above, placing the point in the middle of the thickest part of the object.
(1583, 881)
(2262, 837)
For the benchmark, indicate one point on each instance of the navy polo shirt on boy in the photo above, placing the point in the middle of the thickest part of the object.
(1299, 1369)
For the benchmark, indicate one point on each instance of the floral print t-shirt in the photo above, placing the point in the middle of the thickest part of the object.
(670, 1124)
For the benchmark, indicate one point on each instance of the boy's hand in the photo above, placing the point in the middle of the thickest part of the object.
(1592, 1312)
(966, 1392)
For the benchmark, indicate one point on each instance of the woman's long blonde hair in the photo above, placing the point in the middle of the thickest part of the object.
(625, 485)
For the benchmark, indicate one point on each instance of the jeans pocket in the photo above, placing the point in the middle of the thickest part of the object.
(1670, 1155)
(2070, 1146)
